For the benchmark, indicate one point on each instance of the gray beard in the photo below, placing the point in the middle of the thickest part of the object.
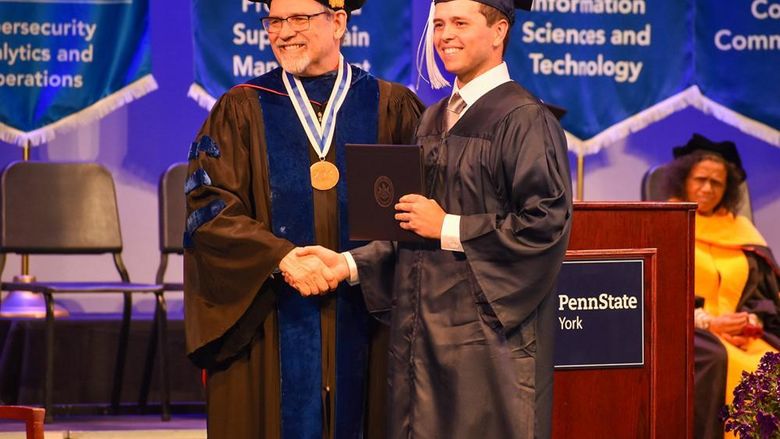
(296, 65)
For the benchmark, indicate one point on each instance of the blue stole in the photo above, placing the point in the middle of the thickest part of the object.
(292, 214)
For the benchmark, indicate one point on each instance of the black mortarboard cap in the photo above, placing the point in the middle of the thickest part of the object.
(726, 149)
(347, 5)
(507, 7)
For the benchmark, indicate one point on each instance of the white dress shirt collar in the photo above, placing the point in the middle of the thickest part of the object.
(482, 84)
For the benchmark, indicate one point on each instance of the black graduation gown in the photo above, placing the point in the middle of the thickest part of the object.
(472, 332)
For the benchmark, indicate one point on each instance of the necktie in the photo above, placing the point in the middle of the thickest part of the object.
(454, 108)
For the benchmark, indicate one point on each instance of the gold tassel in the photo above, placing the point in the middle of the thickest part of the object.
(334, 4)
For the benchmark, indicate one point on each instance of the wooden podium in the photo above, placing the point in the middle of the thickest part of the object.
(654, 400)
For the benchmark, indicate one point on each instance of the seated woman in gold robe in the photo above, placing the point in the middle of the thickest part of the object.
(735, 274)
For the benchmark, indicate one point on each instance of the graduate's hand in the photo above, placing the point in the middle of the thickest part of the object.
(307, 274)
(335, 261)
(421, 215)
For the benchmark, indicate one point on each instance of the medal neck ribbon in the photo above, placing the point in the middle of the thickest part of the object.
(320, 134)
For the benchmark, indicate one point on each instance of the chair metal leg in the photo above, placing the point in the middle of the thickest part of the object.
(151, 350)
(162, 334)
(121, 353)
(48, 388)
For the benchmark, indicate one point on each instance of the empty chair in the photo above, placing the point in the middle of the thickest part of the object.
(68, 209)
(172, 215)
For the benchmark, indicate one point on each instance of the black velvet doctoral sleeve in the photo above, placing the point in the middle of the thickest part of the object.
(230, 251)
(516, 255)
(761, 295)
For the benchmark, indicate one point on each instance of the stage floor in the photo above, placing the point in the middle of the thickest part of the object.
(115, 427)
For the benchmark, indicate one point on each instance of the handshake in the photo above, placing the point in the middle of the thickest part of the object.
(317, 270)
(314, 270)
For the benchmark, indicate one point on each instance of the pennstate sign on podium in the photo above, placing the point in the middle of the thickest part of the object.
(600, 314)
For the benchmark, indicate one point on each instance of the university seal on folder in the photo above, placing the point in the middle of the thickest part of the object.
(377, 176)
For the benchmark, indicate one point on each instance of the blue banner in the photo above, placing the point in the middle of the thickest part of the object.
(615, 65)
(64, 62)
(738, 63)
(231, 46)
(604, 61)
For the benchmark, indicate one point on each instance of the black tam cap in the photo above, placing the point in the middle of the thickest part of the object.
(347, 5)
(726, 149)
(507, 7)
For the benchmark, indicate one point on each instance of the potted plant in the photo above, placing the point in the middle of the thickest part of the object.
(755, 411)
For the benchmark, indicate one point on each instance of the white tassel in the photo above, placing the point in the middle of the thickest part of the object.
(425, 55)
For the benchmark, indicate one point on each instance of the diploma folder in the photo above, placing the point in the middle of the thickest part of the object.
(377, 176)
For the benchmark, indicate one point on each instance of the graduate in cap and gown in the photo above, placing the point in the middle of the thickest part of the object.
(266, 178)
(472, 308)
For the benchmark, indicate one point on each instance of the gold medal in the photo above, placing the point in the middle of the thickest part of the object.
(320, 129)
(324, 175)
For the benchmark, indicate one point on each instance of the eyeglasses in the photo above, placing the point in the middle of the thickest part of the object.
(298, 23)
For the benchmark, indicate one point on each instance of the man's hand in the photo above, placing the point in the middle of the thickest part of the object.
(336, 262)
(421, 215)
(307, 274)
